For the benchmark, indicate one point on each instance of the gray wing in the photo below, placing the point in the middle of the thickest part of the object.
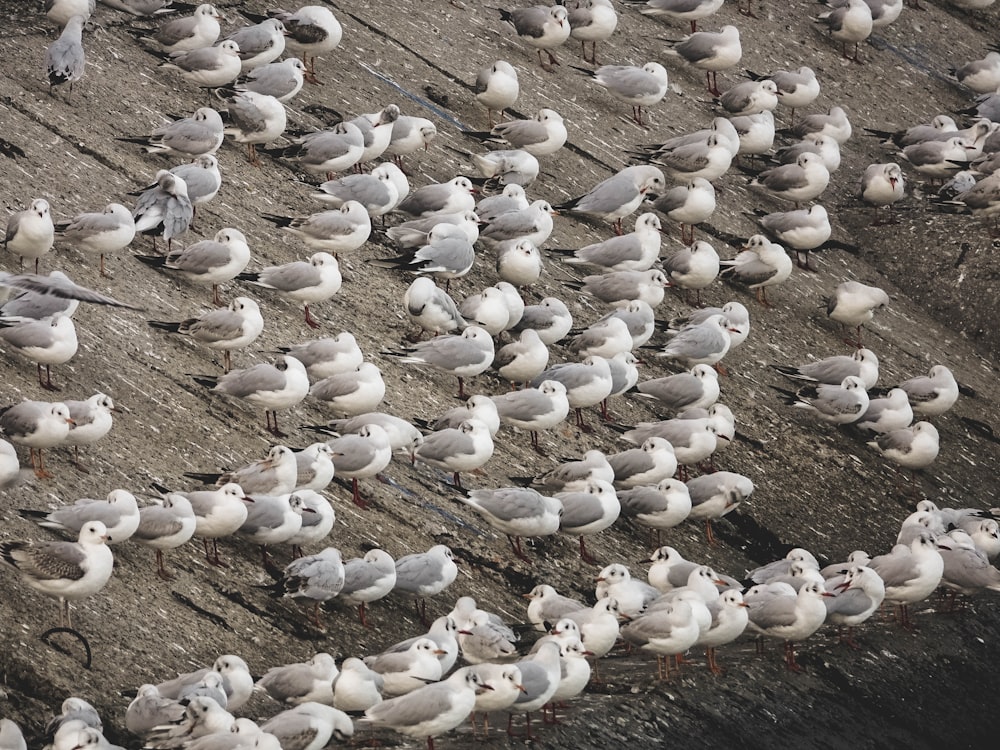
(580, 509)
(630, 463)
(698, 47)
(773, 611)
(156, 522)
(521, 133)
(628, 81)
(895, 570)
(609, 195)
(216, 326)
(687, 158)
(75, 516)
(416, 571)
(253, 40)
(642, 500)
(785, 177)
(58, 287)
(413, 708)
(204, 58)
(20, 420)
(242, 383)
(88, 225)
(440, 446)
(450, 352)
(176, 31)
(263, 515)
(674, 389)
(834, 400)
(754, 271)
(334, 386)
(531, 21)
(291, 277)
(49, 561)
(897, 440)
(246, 115)
(35, 333)
(523, 406)
(188, 136)
(288, 681)
(509, 504)
(696, 342)
(359, 574)
(920, 389)
(326, 224)
(850, 602)
(200, 258)
(831, 370)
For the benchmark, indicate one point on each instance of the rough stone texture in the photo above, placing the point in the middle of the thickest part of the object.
(817, 487)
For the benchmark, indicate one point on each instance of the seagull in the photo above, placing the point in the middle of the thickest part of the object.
(704, 343)
(377, 191)
(682, 10)
(119, 513)
(361, 455)
(282, 80)
(326, 151)
(409, 134)
(660, 506)
(694, 267)
(796, 88)
(207, 67)
(30, 233)
(201, 133)
(534, 409)
(212, 261)
(327, 356)
(516, 512)
(320, 578)
(650, 463)
(803, 229)
(64, 570)
(912, 448)
(424, 574)
(711, 51)
(463, 356)
(259, 44)
(103, 232)
(351, 393)
(856, 599)
(277, 474)
(190, 32)
(854, 304)
(342, 230)
(639, 87)
(587, 383)
(310, 31)
(309, 726)
(465, 448)
(507, 167)
(802, 181)
(255, 118)
(164, 526)
(454, 196)
(844, 403)
(851, 22)
(910, 573)
(367, 579)
(781, 612)
(50, 341)
(635, 251)
(92, 420)
(588, 510)
(933, 394)
(592, 21)
(307, 281)
(893, 412)
(233, 327)
(619, 195)
(760, 264)
(274, 387)
(61, 12)
(689, 205)
(542, 135)
(714, 495)
(38, 425)
(164, 209)
(697, 388)
(496, 88)
(218, 513)
(832, 370)
(750, 98)
(882, 185)
(65, 58)
(301, 682)
(540, 27)
(621, 287)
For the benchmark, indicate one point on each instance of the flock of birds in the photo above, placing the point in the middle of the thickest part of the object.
(664, 476)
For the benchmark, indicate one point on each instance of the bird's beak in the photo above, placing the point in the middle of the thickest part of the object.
(521, 688)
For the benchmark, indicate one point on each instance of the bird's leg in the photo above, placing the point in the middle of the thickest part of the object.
(310, 320)
(355, 495)
(216, 299)
(161, 571)
(790, 657)
(40, 471)
(712, 666)
(76, 461)
(461, 390)
(586, 556)
(552, 58)
(618, 227)
(227, 361)
(361, 615)
(47, 383)
(708, 532)
(583, 426)
(515, 543)
(457, 481)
